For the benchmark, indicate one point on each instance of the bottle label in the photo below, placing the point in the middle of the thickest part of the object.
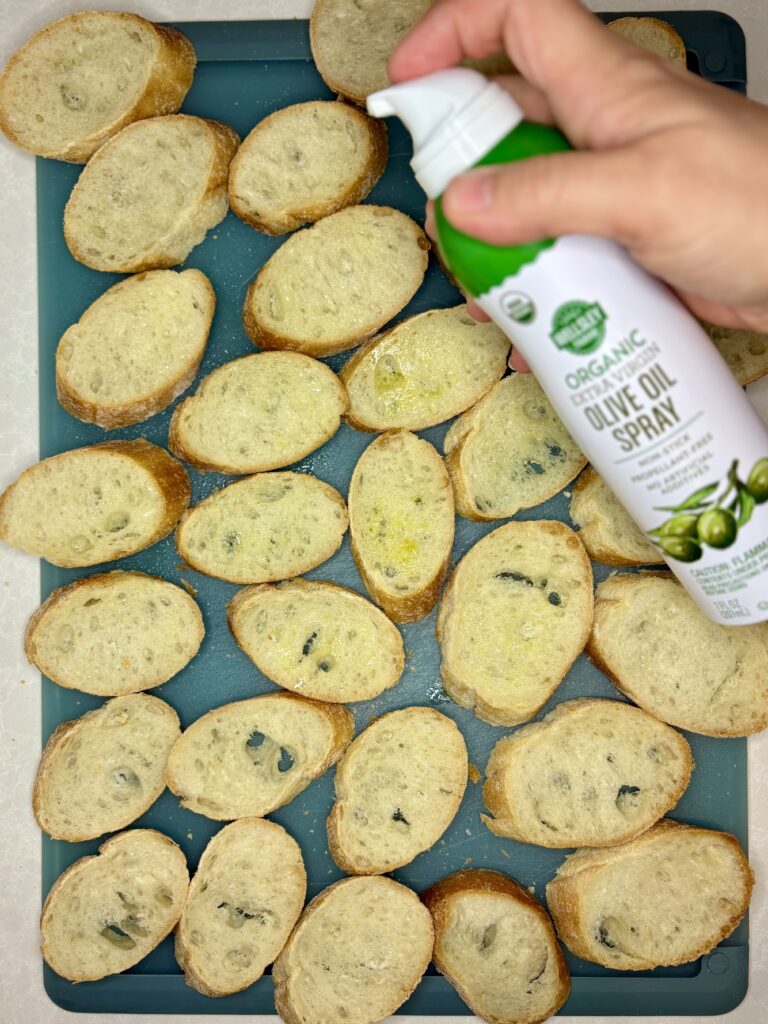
(654, 407)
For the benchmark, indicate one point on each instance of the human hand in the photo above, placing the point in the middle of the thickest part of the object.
(668, 165)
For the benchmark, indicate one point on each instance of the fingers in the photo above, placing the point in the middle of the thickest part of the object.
(561, 49)
(516, 362)
(550, 196)
(532, 101)
(476, 312)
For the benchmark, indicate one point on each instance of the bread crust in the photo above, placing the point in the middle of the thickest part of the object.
(500, 806)
(127, 413)
(78, 867)
(181, 950)
(597, 551)
(468, 697)
(183, 551)
(307, 586)
(335, 840)
(165, 89)
(169, 475)
(672, 35)
(437, 900)
(597, 656)
(61, 593)
(355, 192)
(184, 450)
(348, 371)
(563, 895)
(342, 724)
(264, 338)
(418, 605)
(225, 142)
(281, 970)
(44, 769)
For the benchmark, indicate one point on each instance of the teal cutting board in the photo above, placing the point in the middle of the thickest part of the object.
(245, 71)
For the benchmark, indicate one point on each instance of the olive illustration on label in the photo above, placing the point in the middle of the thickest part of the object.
(708, 519)
(757, 481)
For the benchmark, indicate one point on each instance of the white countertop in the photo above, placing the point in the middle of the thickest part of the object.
(22, 998)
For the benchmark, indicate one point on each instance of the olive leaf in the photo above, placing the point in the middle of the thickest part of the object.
(746, 506)
(694, 501)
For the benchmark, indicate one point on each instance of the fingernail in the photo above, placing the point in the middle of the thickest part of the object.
(472, 193)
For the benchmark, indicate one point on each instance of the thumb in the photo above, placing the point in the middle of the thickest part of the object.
(549, 196)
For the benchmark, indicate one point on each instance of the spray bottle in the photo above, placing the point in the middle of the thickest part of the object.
(631, 373)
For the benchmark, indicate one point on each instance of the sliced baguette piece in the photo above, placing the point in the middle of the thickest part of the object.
(78, 81)
(663, 899)
(100, 772)
(359, 950)
(258, 413)
(305, 162)
(114, 634)
(401, 523)
(496, 945)
(95, 504)
(591, 773)
(150, 194)
(318, 639)
(654, 35)
(107, 912)
(661, 650)
(423, 371)
(266, 527)
(398, 788)
(244, 899)
(745, 352)
(514, 616)
(606, 529)
(136, 348)
(352, 40)
(248, 758)
(332, 285)
(510, 452)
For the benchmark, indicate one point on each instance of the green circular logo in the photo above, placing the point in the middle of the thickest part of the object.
(579, 327)
(519, 307)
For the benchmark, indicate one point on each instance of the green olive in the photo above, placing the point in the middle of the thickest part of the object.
(717, 527)
(684, 525)
(684, 549)
(757, 481)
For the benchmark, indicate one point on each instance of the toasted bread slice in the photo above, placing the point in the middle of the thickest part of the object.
(665, 898)
(745, 352)
(423, 370)
(150, 194)
(496, 945)
(136, 348)
(330, 286)
(510, 452)
(114, 634)
(244, 900)
(659, 648)
(106, 912)
(352, 41)
(101, 772)
(357, 930)
(515, 615)
(248, 758)
(95, 504)
(398, 788)
(654, 35)
(258, 413)
(318, 639)
(592, 773)
(606, 529)
(305, 162)
(81, 79)
(401, 523)
(267, 527)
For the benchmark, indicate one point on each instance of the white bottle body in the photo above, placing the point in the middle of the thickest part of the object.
(651, 403)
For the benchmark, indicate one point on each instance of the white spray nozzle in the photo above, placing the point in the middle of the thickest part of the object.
(454, 116)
